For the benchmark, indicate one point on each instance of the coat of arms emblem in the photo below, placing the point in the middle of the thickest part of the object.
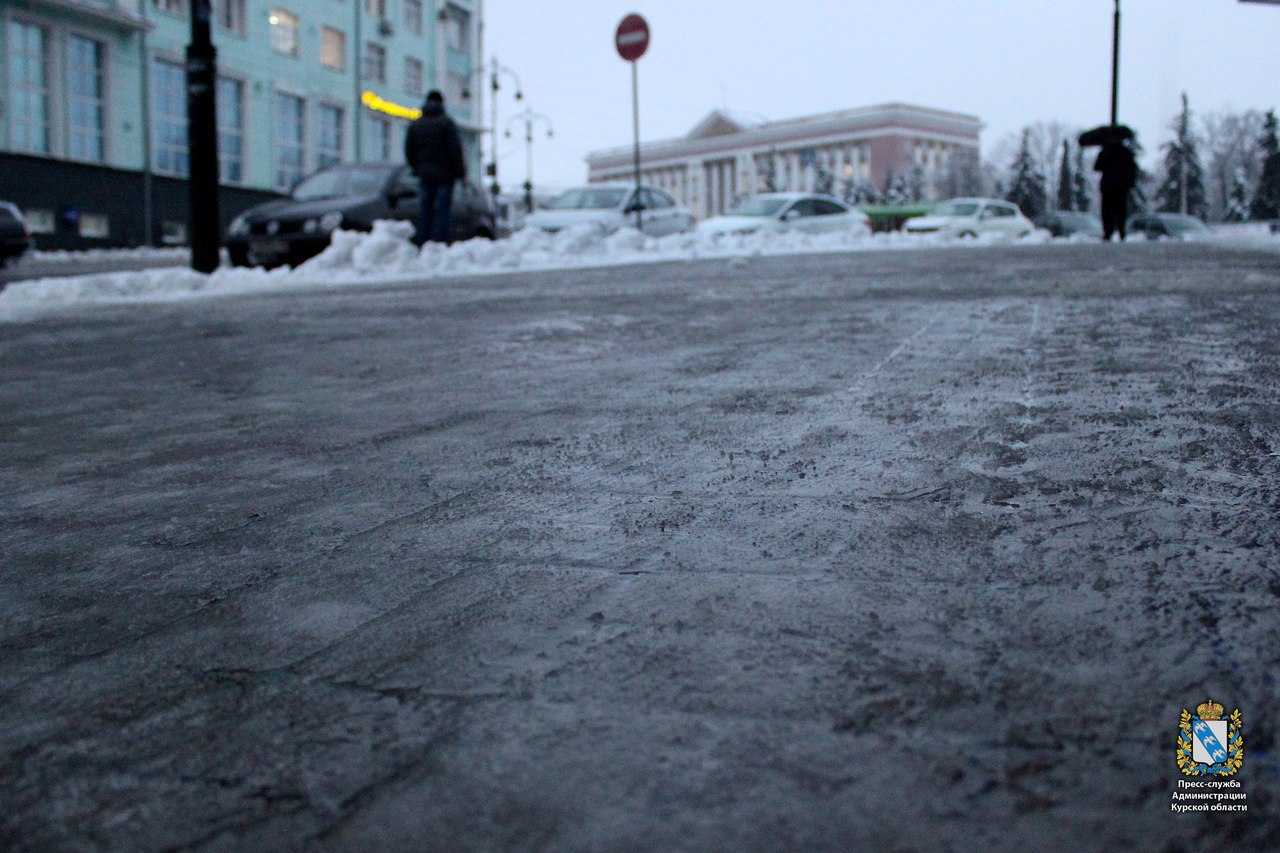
(1208, 743)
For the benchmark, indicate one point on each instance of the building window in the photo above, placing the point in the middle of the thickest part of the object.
(173, 233)
(375, 63)
(376, 8)
(413, 16)
(85, 104)
(333, 48)
(413, 81)
(457, 28)
(95, 225)
(284, 32)
(328, 136)
(455, 85)
(172, 7)
(289, 141)
(379, 138)
(39, 221)
(170, 123)
(231, 15)
(29, 85)
(230, 130)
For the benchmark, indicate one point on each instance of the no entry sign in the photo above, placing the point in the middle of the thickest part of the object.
(632, 38)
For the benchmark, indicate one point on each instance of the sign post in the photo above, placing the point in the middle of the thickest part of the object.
(632, 40)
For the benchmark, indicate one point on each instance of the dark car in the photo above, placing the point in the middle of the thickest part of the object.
(1069, 223)
(1167, 226)
(15, 236)
(350, 196)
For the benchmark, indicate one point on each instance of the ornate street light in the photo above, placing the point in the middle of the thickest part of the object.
(529, 117)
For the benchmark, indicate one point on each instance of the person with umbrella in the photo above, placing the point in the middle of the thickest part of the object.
(1119, 172)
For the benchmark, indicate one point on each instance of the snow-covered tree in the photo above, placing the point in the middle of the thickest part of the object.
(1027, 187)
(895, 189)
(1236, 208)
(858, 192)
(771, 173)
(916, 184)
(1182, 177)
(1266, 199)
(823, 181)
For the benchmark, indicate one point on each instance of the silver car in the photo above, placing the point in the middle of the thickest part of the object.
(972, 217)
(611, 207)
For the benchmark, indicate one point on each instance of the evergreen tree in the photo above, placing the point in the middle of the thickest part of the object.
(1183, 190)
(1066, 180)
(1027, 190)
(1080, 195)
(1266, 199)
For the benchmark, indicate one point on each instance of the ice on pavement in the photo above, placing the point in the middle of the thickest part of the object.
(386, 255)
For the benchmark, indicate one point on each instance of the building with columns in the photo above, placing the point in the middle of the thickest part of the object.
(728, 156)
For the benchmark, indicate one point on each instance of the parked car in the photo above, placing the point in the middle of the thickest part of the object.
(613, 206)
(1167, 226)
(350, 196)
(811, 212)
(970, 217)
(15, 236)
(1071, 223)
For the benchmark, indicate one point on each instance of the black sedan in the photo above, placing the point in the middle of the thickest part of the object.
(15, 236)
(1068, 223)
(350, 196)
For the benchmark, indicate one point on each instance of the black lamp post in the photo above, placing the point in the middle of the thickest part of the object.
(1115, 67)
(529, 117)
(495, 70)
(202, 139)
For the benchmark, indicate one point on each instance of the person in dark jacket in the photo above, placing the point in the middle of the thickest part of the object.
(433, 149)
(1119, 173)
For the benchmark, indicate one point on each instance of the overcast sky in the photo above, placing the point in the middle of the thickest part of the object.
(1010, 62)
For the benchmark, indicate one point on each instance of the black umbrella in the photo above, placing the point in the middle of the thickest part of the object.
(1104, 133)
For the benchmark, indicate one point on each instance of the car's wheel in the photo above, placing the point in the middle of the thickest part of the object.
(238, 255)
(967, 235)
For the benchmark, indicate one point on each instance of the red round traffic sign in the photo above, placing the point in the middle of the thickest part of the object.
(632, 38)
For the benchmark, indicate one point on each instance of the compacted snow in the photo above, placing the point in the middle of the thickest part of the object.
(387, 255)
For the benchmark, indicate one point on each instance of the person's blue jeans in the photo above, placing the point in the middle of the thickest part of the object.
(434, 202)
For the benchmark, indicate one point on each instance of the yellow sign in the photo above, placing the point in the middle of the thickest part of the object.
(381, 105)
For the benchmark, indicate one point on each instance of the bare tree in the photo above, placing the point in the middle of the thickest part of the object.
(1231, 155)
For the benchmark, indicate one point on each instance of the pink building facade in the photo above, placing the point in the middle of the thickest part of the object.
(727, 157)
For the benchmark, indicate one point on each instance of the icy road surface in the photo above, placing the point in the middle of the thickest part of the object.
(883, 551)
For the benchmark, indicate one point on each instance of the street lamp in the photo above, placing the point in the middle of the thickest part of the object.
(495, 70)
(1115, 67)
(529, 117)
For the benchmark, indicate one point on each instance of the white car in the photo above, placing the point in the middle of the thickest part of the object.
(972, 217)
(809, 212)
(613, 206)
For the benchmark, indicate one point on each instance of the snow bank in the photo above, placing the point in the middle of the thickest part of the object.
(387, 255)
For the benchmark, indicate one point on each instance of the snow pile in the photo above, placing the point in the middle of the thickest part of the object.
(387, 255)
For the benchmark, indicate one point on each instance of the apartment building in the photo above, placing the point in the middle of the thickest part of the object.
(93, 108)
